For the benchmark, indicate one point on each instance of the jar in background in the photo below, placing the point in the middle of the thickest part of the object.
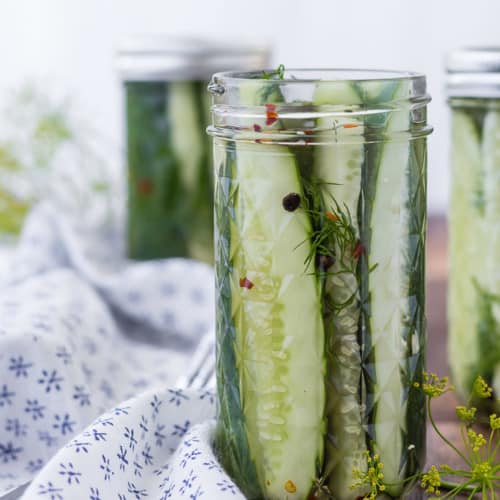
(474, 219)
(170, 188)
(320, 217)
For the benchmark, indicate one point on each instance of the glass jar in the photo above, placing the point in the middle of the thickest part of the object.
(320, 221)
(170, 189)
(474, 243)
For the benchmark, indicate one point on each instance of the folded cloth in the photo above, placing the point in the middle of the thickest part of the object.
(155, 446)
(82, 329)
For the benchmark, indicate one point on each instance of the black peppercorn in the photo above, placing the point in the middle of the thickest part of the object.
(291, 202)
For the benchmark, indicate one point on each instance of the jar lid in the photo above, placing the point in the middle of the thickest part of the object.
(164, 57)
(474, 72)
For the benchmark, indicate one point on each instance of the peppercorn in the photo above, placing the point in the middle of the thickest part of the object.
(291, 202)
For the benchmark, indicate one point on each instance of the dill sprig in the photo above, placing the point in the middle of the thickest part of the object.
(480, 472)
(277, 74)
(333, 240)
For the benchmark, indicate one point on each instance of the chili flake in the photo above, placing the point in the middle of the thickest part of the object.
(257, 127)
(350, 125)
(145, 186)
(358, 249)
(291, 202)
(271, 114)
(290, 487)
(246, 283)
(332, 216)
(324, 262)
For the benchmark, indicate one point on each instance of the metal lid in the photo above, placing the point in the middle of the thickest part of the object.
(163, 57)
(474, 72)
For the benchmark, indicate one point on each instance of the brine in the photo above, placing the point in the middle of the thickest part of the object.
(320, 214)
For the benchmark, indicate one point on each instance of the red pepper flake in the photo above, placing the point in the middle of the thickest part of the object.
(257, 128)
(358, 249)
(145, 186)
(271, 114)
(246, 283)
(308, 132)
(350, 125)
(332, 216)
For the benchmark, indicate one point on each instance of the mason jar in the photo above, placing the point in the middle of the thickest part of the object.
(320, 224)
(474, 244)
(170, 188)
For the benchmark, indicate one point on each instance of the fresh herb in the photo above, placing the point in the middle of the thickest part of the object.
(272, 93)
(277, 74)
(480, 473)
(373, 478)
(333, 240)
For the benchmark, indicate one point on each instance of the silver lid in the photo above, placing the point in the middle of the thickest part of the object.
(163, 57)
(474, 72)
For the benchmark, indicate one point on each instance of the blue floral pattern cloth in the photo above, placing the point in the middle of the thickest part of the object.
(91, 348)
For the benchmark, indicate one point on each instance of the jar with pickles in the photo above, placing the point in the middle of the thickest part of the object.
(170, 188)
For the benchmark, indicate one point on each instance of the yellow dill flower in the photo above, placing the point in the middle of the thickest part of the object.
(466, 415)
(431, 481)
(481, 388)
(476, 441)
(372, 478)
(481, 471)
(494, 422)
(433, 386)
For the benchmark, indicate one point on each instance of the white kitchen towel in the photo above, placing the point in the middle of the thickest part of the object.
(81, 331)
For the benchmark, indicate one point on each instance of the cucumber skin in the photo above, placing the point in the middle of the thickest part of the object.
(231, 439)
(412, 333)
(287, 455)
(165, 218)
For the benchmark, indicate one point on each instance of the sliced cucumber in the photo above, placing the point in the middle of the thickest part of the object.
(466, 221)
(186, 136)
(491, 169)
(280, 341)
(338, 168)
(388, 296)
(156, 225)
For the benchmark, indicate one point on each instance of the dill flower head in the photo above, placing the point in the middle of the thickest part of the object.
(481, 388)
(433, 386)
(466, 415)
(431, 481)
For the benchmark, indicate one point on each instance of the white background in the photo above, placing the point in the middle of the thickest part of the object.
(68, 44)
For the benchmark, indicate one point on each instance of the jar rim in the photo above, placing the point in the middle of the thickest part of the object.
(315, 106)
(313, 75)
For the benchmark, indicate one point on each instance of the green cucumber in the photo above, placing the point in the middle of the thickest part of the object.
(387, 298)
(156, 200)
(188, 110)
(474, 298)
(338, 167)
(279, 340)
(466, 215)
(170, 209)
(491, 170)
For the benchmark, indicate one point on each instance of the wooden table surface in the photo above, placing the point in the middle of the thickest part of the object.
(444, 407)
